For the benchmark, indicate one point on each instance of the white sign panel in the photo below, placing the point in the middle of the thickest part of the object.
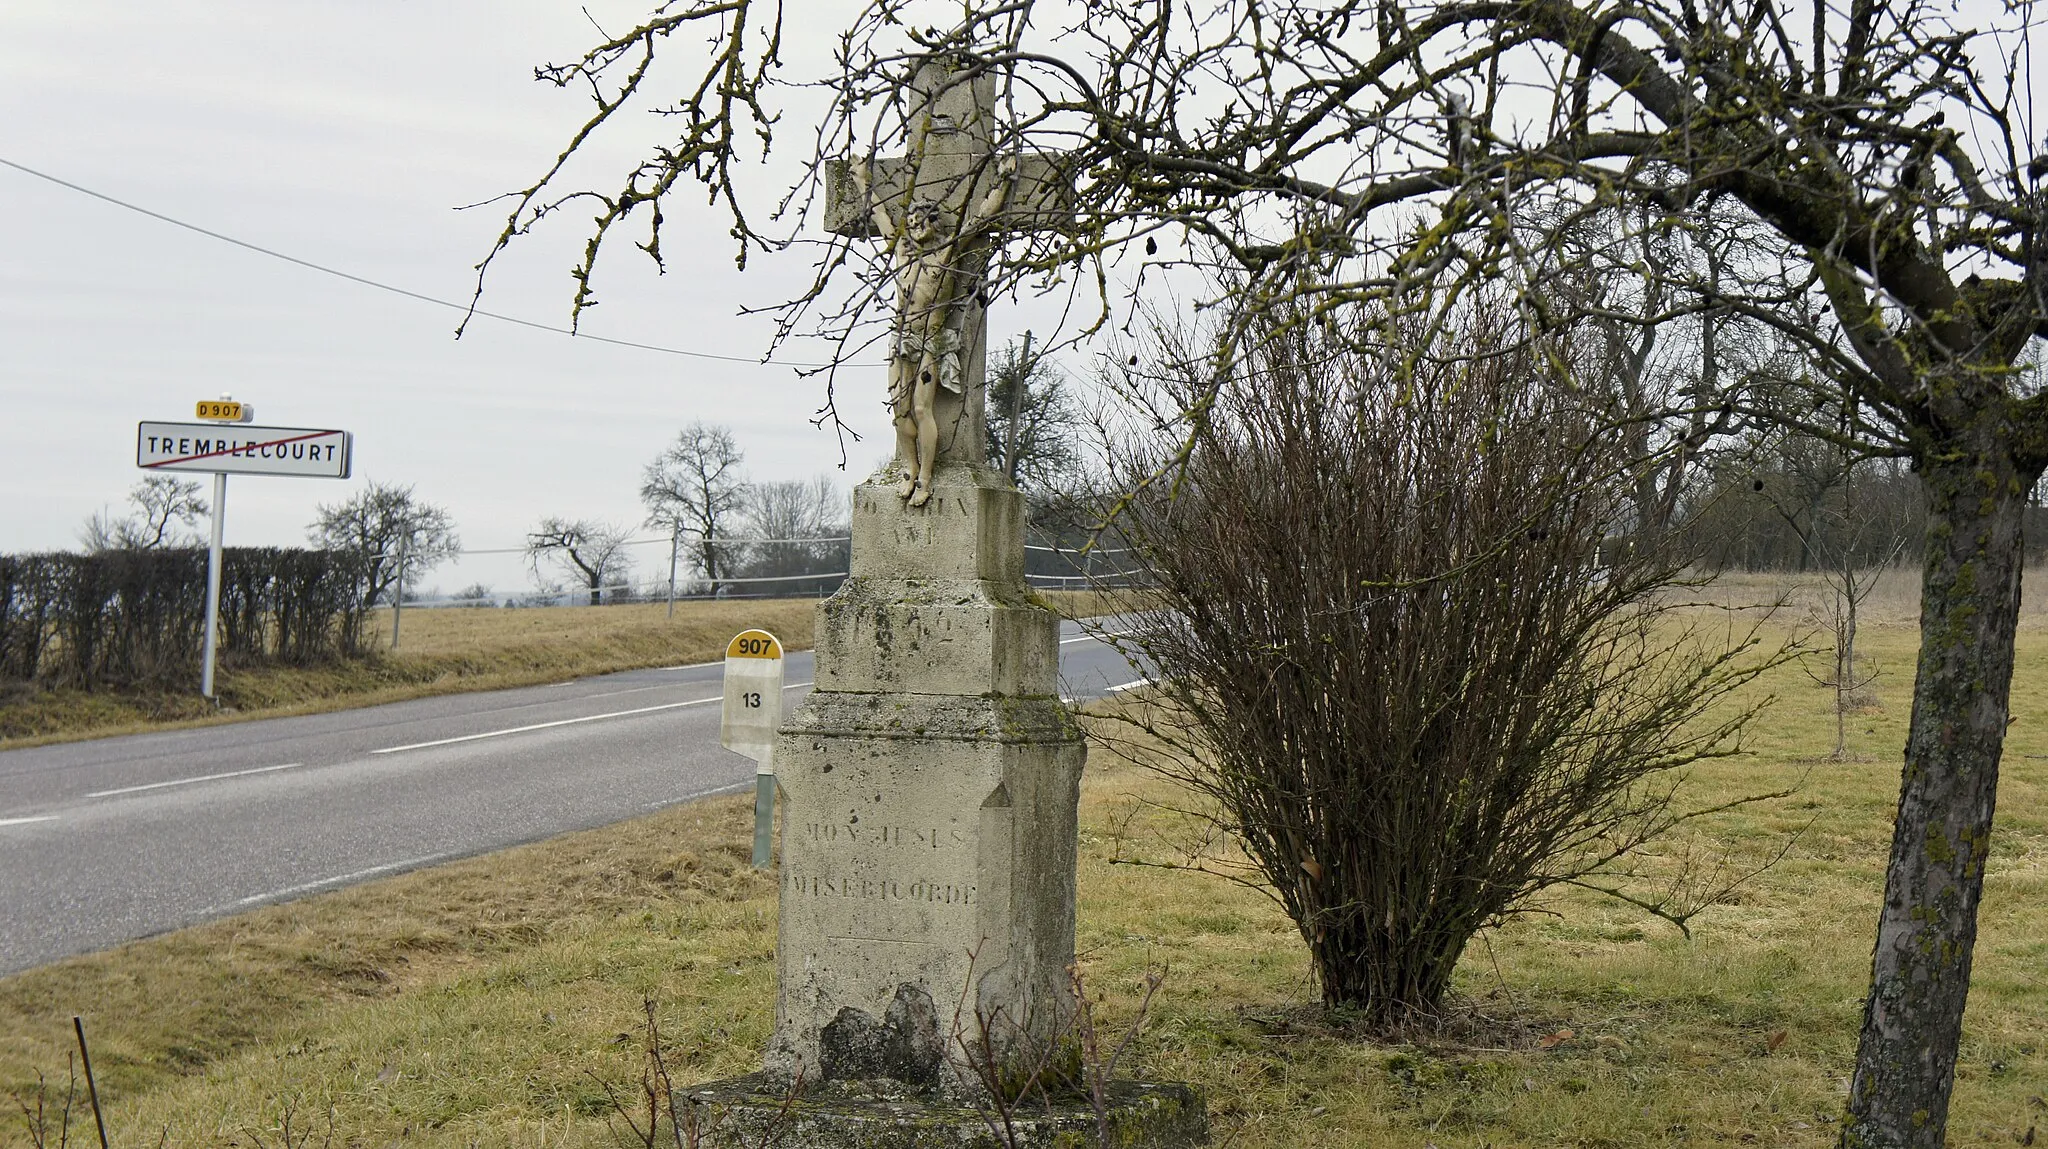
(753, 695)
(242, 450)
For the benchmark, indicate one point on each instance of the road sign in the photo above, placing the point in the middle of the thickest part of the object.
(224, 410)
(753, 713)
(243, 450)
(223, 451)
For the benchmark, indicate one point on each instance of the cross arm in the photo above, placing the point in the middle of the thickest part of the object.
(1042, 198)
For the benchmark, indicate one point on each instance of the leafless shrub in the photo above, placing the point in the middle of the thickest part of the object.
(651, 1114)
(1076, 1064)
(1390, 650)
(45, 1119)
(293, 1130)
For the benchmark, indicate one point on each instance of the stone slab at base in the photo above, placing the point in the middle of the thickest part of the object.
(751, 1112)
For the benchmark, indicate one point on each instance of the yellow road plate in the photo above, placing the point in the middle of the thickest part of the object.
(216, 409)
(753, 644)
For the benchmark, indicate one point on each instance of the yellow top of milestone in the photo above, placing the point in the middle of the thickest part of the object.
(754, 644)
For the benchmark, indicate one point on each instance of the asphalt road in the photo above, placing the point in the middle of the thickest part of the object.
(102, 842)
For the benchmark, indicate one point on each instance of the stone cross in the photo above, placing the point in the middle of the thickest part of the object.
(939, 208)
(930, 782)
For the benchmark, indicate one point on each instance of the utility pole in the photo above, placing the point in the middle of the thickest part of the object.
(675, 539)
(398, 595)
(1017, 385)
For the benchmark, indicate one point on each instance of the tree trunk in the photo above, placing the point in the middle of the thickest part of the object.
(1920, 974)
(1379, 977)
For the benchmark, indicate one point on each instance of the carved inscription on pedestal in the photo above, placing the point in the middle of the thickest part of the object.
(871, 501)
(866, 881)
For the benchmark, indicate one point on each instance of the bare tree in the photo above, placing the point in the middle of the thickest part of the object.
(1676, 379)
(1851, 538)
(399, 535)
(1033, 430)
(1350, 151)
(167, 508)
(590, 552)
(1774, 502)
(1387, 650)
(696, 487)
(796, 527)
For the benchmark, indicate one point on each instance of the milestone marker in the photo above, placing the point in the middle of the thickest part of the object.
(753, 714)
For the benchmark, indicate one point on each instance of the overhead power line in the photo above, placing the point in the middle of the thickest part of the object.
(409, 294)
(665, 538)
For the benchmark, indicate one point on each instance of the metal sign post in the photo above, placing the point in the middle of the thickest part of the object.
(753, 713)
(220, 512)
(398, 596)
(222, 450)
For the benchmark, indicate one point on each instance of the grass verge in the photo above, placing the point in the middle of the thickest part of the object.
(494, 1001)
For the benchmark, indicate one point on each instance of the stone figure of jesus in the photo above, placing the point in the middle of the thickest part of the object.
(937, 272)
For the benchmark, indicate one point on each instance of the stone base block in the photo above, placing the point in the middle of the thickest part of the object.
(750, 1112)
(953, 637)
(971, 530)
(927, 881)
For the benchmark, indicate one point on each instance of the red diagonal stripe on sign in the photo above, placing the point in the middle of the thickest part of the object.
(239, 450)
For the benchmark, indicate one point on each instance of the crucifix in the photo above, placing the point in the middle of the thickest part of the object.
(929, 783)
(940, 208)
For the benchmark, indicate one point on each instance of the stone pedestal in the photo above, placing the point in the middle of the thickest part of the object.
(929, 788)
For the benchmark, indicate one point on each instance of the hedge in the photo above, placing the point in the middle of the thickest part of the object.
(129, 618)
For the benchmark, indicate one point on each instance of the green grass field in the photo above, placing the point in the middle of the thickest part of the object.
(498, 1001)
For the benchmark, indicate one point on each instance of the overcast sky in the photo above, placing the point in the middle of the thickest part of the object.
(346, 134)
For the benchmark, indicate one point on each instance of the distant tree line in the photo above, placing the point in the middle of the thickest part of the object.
(1796, 504)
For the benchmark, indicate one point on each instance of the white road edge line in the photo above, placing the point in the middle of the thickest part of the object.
(630, 690)
(561, 722)
(735, 788)
(190, 781)
(545, 725)
(1094, 638)
(343, 879)
(26, 821)
(1131, 685)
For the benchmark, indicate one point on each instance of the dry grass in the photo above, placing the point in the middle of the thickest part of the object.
(1894, 602)
(488, 995)
(490, 1001)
